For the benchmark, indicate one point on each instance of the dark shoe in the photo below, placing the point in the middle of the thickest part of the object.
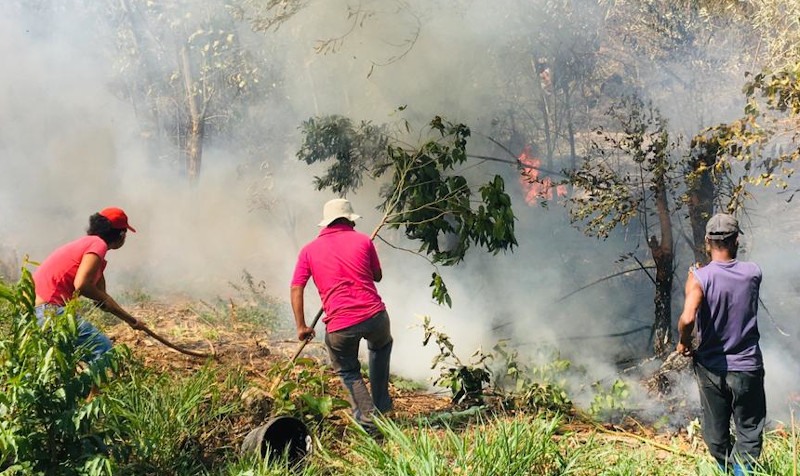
(372, 430)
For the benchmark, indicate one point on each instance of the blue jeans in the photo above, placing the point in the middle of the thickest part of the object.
(343, 351)
(88, 335)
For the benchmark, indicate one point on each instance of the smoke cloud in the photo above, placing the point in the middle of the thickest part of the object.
(71, 143)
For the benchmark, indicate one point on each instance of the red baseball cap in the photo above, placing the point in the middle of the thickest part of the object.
(117, 217)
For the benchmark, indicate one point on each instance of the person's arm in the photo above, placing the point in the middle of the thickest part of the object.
(87, 286)
(303, 331)
(694, 297)
(375, 263)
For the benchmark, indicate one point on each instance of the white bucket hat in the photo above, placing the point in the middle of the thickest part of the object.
(337, 208)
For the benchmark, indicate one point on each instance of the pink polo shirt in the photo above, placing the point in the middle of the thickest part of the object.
(55, 278)
(341, 261)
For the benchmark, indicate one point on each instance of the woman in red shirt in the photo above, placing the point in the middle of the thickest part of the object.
(76, 269)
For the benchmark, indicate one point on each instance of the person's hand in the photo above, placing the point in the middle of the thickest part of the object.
(685, 350)
(305, 333)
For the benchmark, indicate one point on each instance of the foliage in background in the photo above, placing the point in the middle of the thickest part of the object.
(257, 306)
(628, 174)
(422, 193)
(758, 149)
(47, 424)
(187, 73)
(253, 306)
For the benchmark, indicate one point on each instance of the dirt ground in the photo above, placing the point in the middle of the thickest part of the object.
(237, 346)
(241, 347)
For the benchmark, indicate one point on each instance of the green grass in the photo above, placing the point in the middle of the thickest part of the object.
(146, 422)
(522, 445)
(164, 425)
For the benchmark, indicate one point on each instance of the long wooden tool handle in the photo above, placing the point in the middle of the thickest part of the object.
(169, 344)
(277, 380)
(309, 338)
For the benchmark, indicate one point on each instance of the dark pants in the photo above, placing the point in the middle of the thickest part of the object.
(736, 393)
(343, 351)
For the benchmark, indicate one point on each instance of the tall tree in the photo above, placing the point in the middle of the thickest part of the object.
(186, 71)
(551, 81)
(627, 176)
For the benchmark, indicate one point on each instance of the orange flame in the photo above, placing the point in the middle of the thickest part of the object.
(533, 187)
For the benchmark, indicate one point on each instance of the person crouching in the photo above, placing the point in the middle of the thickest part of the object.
(76, 269)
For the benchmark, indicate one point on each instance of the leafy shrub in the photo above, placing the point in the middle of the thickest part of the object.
(47, 424)
(522, 386)
(465, 381)
(305, 390)
(610, 404)
(517, 385)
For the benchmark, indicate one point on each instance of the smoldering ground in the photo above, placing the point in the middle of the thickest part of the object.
(71, 144)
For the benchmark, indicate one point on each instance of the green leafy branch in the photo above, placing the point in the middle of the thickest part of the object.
(421, 194)
(759, 148)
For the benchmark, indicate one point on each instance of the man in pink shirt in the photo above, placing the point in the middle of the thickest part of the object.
(76, 269)
(344, 266)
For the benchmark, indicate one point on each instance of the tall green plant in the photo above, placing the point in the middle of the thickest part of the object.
(47, 424)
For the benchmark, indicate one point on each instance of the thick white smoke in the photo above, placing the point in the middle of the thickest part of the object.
(71, 144)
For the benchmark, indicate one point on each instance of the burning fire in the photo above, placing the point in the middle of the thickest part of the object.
(533, 187)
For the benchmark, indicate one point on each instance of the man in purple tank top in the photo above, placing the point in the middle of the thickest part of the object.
(722, 300)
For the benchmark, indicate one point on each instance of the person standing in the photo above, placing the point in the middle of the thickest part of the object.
(76, 269)
(344, 266)
(722, 301)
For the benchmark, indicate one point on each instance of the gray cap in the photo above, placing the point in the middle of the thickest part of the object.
(722, 226)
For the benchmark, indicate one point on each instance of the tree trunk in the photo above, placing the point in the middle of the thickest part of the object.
(194, 149)
(194, 135)
(144, 108)
(700, 194)
(573, 161)
(663, 255)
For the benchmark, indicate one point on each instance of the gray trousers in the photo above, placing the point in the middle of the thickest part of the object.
(732, 393)
(343, 351)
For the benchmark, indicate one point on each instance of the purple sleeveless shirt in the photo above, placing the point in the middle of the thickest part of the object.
(726, 320)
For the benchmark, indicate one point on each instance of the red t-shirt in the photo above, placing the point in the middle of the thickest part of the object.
(342, 262)
(55, 278)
